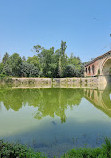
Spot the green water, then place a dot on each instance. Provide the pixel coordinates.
(54, 120)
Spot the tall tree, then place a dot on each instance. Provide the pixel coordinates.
(5, 58)
(62, 59)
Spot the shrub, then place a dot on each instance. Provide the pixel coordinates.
(8, 150)
(100, 152)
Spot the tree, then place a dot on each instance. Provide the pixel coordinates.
(78, 66)
(62, 59)
(29, 70)
(1, 67)
(46, 63)
(14, 62)
(45, 58)
(69, 71)
(38, 48)
(63, 48)
(23, 59)
(7, 70)
(5, 58)
(34, 60)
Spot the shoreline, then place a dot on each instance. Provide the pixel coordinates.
(99, 82)
(17, 150)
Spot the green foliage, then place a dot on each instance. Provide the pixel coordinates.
(29, 70)
(107, 147)
(5, 58)
(100, 152)
(62, 59)
(46, 57)
(15, 62)
(23, 59)
(77, 64)
(12, 65)
(2, 76)
(8, 150)
(7, 69)
(38, 48)
(34, 60)
(46, 63)
(1, 67)
(69, 71)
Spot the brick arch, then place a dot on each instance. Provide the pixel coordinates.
(93, 69)
(99, 64)
(104, 67)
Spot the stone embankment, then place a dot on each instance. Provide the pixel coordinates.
(99, 82)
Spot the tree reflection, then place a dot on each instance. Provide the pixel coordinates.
(50, 102)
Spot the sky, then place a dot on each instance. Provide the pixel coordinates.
(85, 25)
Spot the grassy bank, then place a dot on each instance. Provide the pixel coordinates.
(8, 150)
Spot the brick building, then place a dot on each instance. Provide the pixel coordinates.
(99, 66)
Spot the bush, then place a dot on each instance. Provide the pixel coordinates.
(8, 150)
(100, 152)
(2, 76)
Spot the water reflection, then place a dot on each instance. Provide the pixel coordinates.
(55, 120)
(100, 99)
(49, 102)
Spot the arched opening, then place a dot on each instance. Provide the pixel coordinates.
(107, 67)
(89, 69)
(86, 70)
(93, 69)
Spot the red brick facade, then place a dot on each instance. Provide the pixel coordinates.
(99, 66)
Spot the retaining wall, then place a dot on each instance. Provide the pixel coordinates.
(99, 82)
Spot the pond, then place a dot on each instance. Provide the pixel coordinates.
(55, 120)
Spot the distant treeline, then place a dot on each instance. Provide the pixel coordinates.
(46, 63)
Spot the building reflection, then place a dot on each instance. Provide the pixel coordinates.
(100, 99)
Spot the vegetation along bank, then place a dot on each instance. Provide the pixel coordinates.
(45, 63)
(8, 150)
